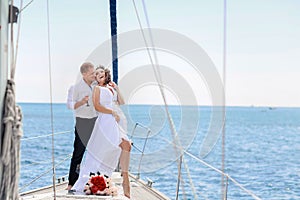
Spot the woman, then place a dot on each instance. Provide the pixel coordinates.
(125, 143)
(107, 141)
(117, 97)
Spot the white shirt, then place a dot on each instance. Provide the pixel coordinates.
(70, 102)
(80, 90)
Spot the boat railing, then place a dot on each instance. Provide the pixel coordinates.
(66, 157)
(228, 177)
(142, 151)
(42, 136)
(46, 172)
(60, 160)
(199, 160)
(144, 145)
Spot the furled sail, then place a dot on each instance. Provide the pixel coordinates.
(11, 126)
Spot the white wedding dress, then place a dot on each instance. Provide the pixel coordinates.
(123, 121)
(103, 151)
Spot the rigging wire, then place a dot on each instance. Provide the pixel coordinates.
(46, 162)
(21, 9)
(159, 81)
(224, 99)
(214, 168)
(172, 175)
(151, 40)
(155, 67)
(42, 174)
(51, 103)
(42, 136)
(224, 174)
(179, 178)
(205, 164)
(18, 35)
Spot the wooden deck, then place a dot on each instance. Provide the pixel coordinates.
(139, 191)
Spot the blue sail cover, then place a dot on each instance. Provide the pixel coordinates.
(114, 42)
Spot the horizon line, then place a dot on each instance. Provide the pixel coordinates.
(203, 105)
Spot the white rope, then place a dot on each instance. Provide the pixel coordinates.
(10, 152)
(159, 81)
(51, 104)
(224, 101)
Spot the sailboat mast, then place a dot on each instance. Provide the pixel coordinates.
(114, 42)
(3, 54)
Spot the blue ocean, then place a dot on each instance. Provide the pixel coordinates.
(262, 149)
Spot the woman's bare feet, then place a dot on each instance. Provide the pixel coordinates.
(126, 184)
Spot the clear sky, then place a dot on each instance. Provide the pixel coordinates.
(263, 46)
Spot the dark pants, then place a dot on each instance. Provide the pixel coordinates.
(83, 130)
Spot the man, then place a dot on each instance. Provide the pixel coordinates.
(85, 117)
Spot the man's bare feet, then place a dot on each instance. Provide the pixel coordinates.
(69, 187)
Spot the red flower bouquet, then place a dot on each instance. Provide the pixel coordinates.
(100, 185)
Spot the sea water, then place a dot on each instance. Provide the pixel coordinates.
(262, 149)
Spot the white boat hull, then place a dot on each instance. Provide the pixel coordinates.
(139, 191)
